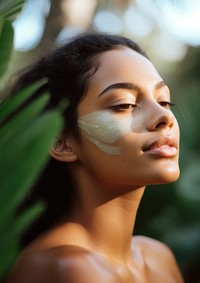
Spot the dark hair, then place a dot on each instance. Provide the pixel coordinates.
(68, 70)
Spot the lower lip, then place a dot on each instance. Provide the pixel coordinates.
(167, 151)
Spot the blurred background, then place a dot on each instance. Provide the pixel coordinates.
(169, 31)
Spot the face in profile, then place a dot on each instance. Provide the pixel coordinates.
(129, 135)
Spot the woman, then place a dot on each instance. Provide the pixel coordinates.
(120, 135)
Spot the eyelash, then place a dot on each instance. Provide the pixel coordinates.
(130, 107)
(166, 104)
(123, 107)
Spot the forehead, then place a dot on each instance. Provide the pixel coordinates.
(123, 65)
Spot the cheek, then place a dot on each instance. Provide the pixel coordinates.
(100, 125)
(103, 130)
(176, 130)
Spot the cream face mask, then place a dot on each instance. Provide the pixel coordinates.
(103, 129)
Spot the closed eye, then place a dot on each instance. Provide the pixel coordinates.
(123, 107)
(166, 104)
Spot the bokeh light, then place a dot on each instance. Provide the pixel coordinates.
(29, 25)
(107, 21)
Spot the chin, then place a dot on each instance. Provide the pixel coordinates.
(168, 171)
(170, 175)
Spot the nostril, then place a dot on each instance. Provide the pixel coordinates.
(159, 125)
(161, 121)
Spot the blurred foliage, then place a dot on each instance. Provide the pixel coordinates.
(9, 9)
(26, 134)
(6, 44)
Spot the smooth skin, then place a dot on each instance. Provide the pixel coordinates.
(95, 243)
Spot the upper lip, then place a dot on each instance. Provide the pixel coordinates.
(161, 141)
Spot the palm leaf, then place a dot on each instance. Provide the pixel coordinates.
(21, 119)
(26, 137)
(6, 46)
(15, 227)
(9, 256)
(11, 104)
(31, 147)
(9, 9)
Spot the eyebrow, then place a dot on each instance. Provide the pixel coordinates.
(130, 86)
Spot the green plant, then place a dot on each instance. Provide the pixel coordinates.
(9, 9)
(24, 144)
(25, 139)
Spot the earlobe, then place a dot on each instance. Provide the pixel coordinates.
(63, 151)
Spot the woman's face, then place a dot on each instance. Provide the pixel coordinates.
(129, 134)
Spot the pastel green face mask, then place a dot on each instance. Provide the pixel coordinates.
(103, 129)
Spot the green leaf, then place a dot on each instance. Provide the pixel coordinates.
(15, 226)
(21, 120)
(31, 150)
(6, 47)
(1, 24)
(10, 105)
(11, 8)
(9, 247)
(26, 136)
(8, 258)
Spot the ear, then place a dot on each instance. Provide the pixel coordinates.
(64, 150)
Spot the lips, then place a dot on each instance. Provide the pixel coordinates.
(163, 146)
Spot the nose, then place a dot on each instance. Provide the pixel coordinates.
(160, 119)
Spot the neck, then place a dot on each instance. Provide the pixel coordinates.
(109, 218)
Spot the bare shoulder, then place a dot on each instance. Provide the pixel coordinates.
(152, 246)
(158, 256)
(64, 264)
